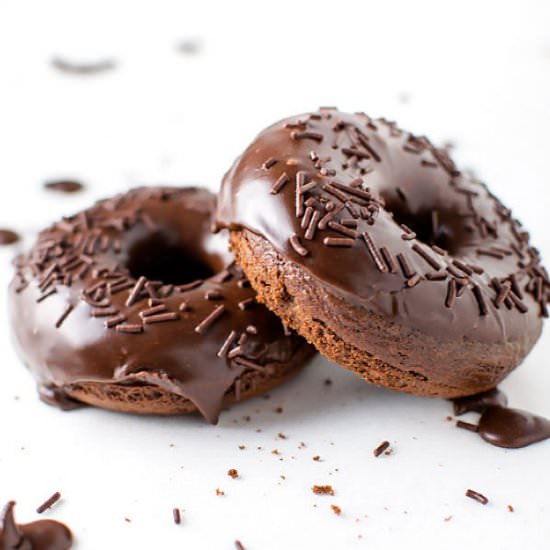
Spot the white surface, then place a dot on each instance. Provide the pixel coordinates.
(474, 72)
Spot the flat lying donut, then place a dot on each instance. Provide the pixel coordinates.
(133, 305)
(369, 242)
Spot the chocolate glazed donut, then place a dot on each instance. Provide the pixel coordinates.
(370, 243)
(134, 305)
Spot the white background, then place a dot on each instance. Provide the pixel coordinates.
(476, 73)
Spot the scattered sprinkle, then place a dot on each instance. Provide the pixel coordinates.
(381, 448)
(177, 515)
(47, 504)
(477, 496)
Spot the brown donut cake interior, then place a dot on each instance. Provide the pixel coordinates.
(371, 243)
(134, 305)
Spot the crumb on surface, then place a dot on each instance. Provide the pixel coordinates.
(317, 458)
(336, 509)
(233, 473)
(279, 410)
(510, 508)
(323, 490)
(219, 493)
(241, 447)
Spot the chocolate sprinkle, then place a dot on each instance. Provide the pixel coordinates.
(477, 496)
(269, 163)
(451, 293)
(297, 245)
(176, 514)
(47, 504)
(381, 448)
(480, 300)
(378, 261)
(64, 186)
(307, 135)
(161, 318)
(280, 183)
(467, 426)
(389, 259)
(205, 324)
(338, 241)
(433, 263)
(64, 316)
(129, 328)
(7, 236)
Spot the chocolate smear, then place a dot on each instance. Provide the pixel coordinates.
(38, 535)
(512, 428)
(479, 402)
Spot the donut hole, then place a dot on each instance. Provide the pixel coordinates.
(159, 258)
(441, 227)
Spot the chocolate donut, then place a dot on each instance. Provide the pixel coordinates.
(134, 305)
(369, 241)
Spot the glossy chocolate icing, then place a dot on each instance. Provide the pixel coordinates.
(80, 312)
(479, 402)
(39, 535)
(512, 428)
(500, 425)
(488, 284)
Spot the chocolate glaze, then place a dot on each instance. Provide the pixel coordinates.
(64, 186)
(81, 312)
(499, 425)
(40, 535)
(7, 236)
(512, 428)
(488, 286)
(53, 395)
(479, 402)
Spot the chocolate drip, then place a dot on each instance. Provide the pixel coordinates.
(479, 402)
(55, 396)
(512, 428)
(136, 291)
(499, 425)
(38, 535)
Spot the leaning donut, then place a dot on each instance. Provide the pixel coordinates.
(133, 305)
(369, 242)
